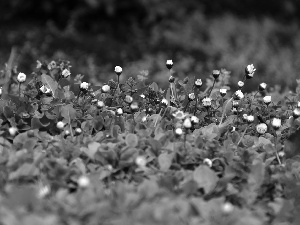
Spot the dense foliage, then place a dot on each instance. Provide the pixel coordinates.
(131, 153)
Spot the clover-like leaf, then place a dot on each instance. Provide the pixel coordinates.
(206, 178)
(165, 161)
(132, 140)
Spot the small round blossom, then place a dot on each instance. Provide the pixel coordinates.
(245, 117)
(216, 73)
(164, 101)
(281, 154)
(13, 131)
(128, 99)
(223, 92)
(83, 181)
(45, 89)
(142, 96)
(227, 207)
(100, 104)
(187, 123)
(207, 162)
(78, 131)
(250, 119)
(261, 128)
(119, 112)
(179, 115)
(105, 88)
(144, 119)
(84, 86)
(21, 77)
(178, 131)
(262, 86)
(241, 84)
(169, 64)
(171, 79)
(206, 102)
(276, 123)
(43, 191)
(118, 70)
(134, 107)
(194, 119)
(141, 161)
(235, 104)
(60, 125)
(67, 133)
(249, 71)
(191, 96)
(232, 129)
(296, 113)
(267, 99)
(66, 73)
(198, 83)
(238, 95)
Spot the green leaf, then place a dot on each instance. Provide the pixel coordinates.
(24, 171)
(46, 79)
(92, 149)
(131, 140)
(206, 178)
(165, 161)
(68, 112)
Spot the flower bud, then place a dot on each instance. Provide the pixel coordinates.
(105, 88)
(134, 107)
(83, 181)
(45, 89)
(142, 96)
(78, 131)
(169, 64)
(128, 99)
(261, 128)
(250, 119)
(66, 73)
(21, 77)
(119, 112)
(187, 123)
(223, 92)
(194, 119)
(67, 133)
(60, 125)
(296, 113)
(141, 161)
(245, 117)
(171, 79)
(12, 131)
(238, 95)
(216, 74)
(198, 83)
(262, 86)
(241, 84)
(249, 71)
(178, 131)
(191, 96)
(207, 162)
(276, 123)
(100, 104)
(206, 102)
(118, 70)
(164, 101)
(235, 104)
(267, 99)
(227, 207)
(144, 119)
(84, 86)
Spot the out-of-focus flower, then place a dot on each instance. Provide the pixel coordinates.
(208, 162)
(179, 115)
(194, 119)
(60, 125)
(296, 113)
(83, 181)
(178, 131)
(12, 131)
(187, 123)
(141, 161)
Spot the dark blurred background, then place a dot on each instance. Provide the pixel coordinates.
(96, 35)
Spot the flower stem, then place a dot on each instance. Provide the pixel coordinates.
(242, 135)
(19, 90)
(276, 152)
(223, 114)
(118, 82)
(195, 109)
(157, 117)
(185, 108)
(212, 88)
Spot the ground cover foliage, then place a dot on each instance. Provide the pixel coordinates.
(131, 153)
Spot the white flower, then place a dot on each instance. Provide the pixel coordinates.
(60, 125)
(100, 104)
(12, 131)
(262, 86)
(45, 89)
(187, 123)
(198, 83)
(250, 118)
(240, 84)
(38, 64)
(276, 123)
(142, 96)
(296, 113)
(206, 102)
(21, 77)
(105, 88)
(227, 207)
(179, 115)
(235, 104)
(169, 64)
(144, 119)
(232, 129)
(238, 95)
(194, 119)
(216, 73)
(178, 131)
(78, 131)
(43, 191)
(119, 111)
(164, 101)
(245, 117)
(65, 73)
(83, 181)
(207, 162)
(118, 70)
(249, 70)
(134, 106)
(267, 99)
(67, 132)
(261, 128)
(128, 99)
(223, 92)
(141, 161)
(281, 154)
(191, 96)
(84, 85)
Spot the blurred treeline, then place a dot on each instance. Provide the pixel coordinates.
(96, 35)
